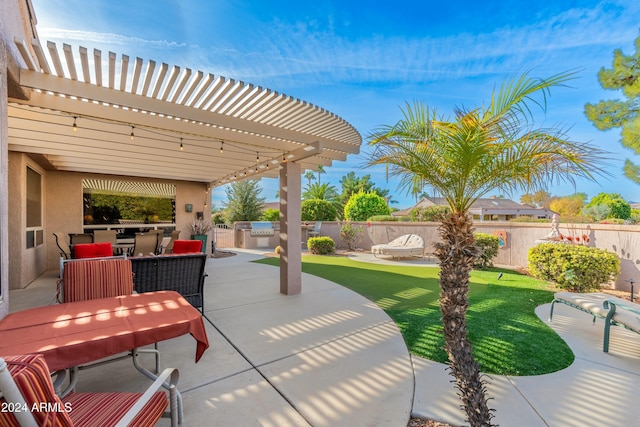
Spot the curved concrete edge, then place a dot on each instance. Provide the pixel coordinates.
(333, 355)
(597, 389)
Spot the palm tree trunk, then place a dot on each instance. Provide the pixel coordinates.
(457, 254)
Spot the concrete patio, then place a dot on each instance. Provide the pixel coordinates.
(329, 357)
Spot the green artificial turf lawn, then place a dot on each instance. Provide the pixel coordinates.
(507, 336)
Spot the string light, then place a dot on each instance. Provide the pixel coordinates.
(284, 159)
(75, 126)
(181, 146)
(221, 147)
(257, 157)
(132, 135)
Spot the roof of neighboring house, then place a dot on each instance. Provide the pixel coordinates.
(486, 206)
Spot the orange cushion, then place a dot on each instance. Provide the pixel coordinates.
(93, 279)
(31, 374)
(92, 250)
(187, 246)
(106, 409)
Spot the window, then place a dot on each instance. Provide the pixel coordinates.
(35, 232)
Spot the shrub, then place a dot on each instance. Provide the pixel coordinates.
(490, 245)
(278, 249)
(270, 214)
(318, 210)
(322, 245)
(573, 267)
(430, 214)
(618, 206)
(363, 205)
(382, 218)
(351, 235)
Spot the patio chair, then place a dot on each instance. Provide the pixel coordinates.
(315, 231)
(144, 244)
(159, 236)
(91, 250)
(63, 247)
(75, 238)
(25, 382)
(184, 273)
(105, 236)
(174, 236)
(86, 279)
(187, 246)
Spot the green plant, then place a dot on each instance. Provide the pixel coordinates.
(322, 245)
(489, 244)
(243, 201)
(365, 205)
(270, 214)
(318, 210)
(383, 218)
(618, 206)
(351, 235)
(573, 267)
(432, 213)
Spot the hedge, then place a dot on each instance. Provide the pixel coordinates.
(490, 245)
(573, 267)
(322, 245)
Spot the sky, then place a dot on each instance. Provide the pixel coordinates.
(364, 60)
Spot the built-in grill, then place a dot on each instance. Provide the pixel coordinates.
(262, 229)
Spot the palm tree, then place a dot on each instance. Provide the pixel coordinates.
(320, 171)
(484, 149)
(309, 175)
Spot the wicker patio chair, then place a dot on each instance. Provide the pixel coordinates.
(182, 273)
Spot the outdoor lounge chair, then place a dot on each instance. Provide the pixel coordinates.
(25, 382)
(409, 245)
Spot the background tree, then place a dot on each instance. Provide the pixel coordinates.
(270, 214)
(326, 192)
(362, 206)
(624, 75)
(568, 206)
(309, 175)
(618, 206)
(538, 199)
(493, 147)
(318, 210)
(243, 201)
(351, 184)
(320, 171)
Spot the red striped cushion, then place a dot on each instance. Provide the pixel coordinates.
(92, 279)
(31, 374)
(92, 250)
(106, 409)
(187, 246)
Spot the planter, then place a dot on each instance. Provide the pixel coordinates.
(203, 239)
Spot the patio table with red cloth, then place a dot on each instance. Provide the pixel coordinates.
(75, 333)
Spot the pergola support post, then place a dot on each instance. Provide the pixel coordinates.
(290, 229)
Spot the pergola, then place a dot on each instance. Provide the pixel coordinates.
(101, 113)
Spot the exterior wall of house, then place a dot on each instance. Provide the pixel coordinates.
(17, 21)
(63, 212)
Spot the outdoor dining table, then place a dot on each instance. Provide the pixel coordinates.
(75, 333)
